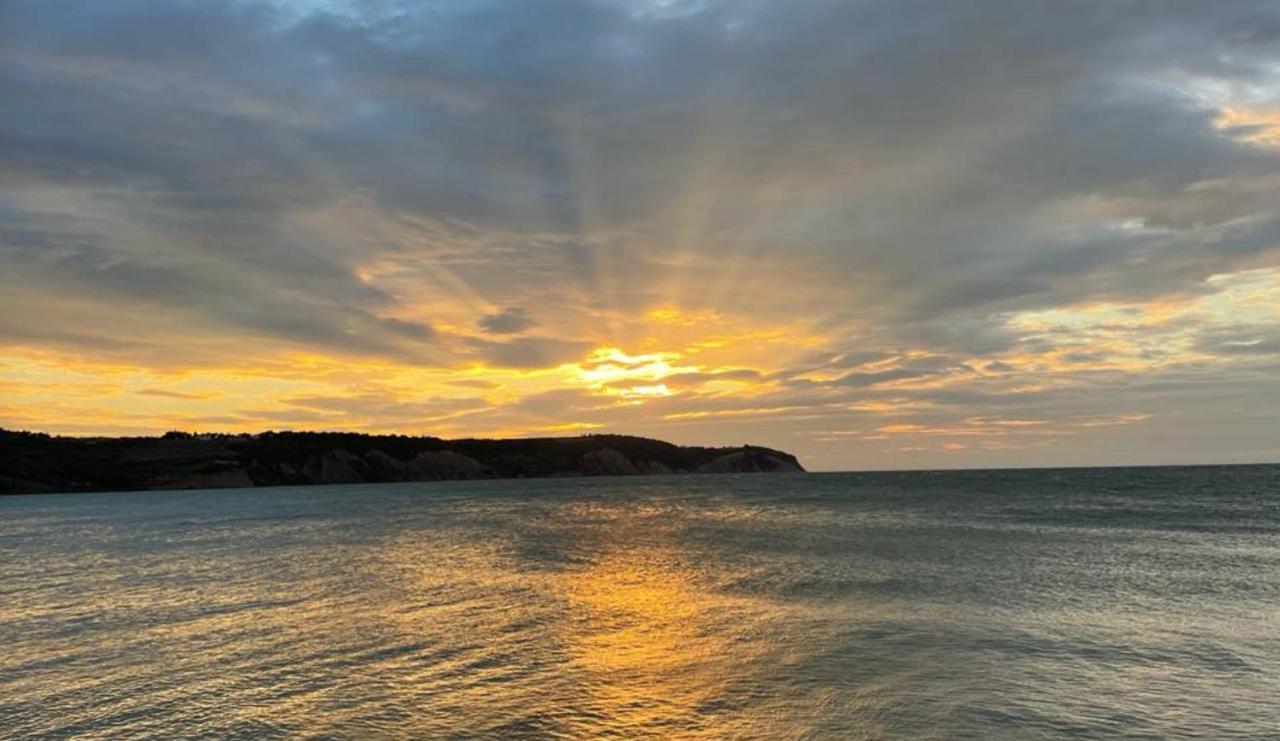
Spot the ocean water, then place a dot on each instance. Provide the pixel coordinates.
(1121, 603)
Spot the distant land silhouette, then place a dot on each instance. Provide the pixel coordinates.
(32, 462)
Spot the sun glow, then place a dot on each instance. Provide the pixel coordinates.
(609, 370)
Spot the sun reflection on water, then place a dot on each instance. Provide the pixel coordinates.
(641, 629)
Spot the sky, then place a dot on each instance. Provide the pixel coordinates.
(893, 234)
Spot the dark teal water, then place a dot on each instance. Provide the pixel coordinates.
(1121, 603)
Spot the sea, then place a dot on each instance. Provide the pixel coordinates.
(1136, 603)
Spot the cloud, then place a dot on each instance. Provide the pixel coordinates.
(511, 320)
(696, 379)
(170, 394)
(531, 352)
(1241, 340)
(372, 407)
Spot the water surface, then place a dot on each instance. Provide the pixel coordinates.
(1113, 603)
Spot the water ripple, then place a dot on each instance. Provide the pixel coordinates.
(971, 605)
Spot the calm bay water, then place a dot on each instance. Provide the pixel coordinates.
(1137, 603)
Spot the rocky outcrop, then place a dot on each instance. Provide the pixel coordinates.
(234, 478)
(609, 462)
(343, 467)
(386, 468)
(336, 467)
(446, 465)
(752, 460)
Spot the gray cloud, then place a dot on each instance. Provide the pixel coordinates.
(531, 352)
(511, 320)
(1241, 340)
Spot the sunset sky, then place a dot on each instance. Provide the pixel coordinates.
(874, 234)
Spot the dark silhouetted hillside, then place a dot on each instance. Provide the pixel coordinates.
(35, 462)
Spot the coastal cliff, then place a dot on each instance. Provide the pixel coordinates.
(34, 462)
